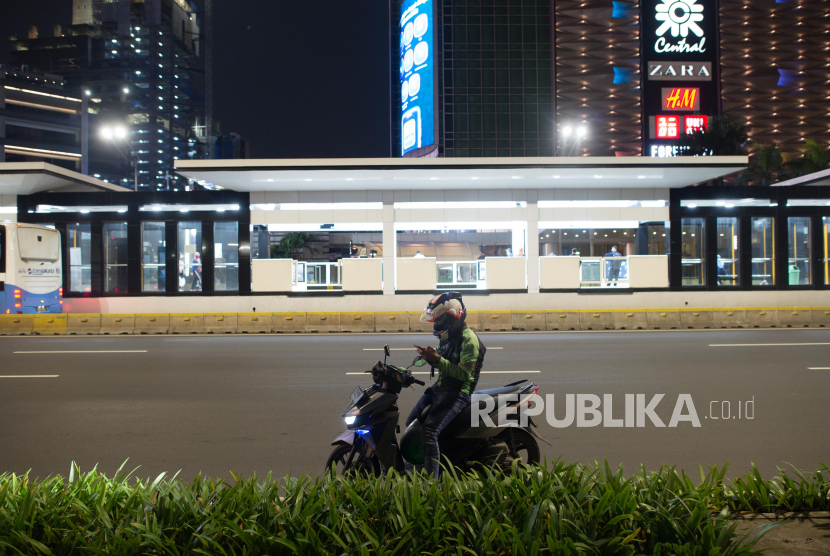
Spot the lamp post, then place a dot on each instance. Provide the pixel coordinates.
(567, 131)
(120, 132)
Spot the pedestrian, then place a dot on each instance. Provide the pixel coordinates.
(574, 252)
(418, 255)
(614, 266)
(196, 272)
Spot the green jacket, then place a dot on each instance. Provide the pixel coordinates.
(461, 362)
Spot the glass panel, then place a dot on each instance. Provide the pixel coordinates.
(115, 257)
(226, 253)
(692, 255)
(798, 250)
(589, 271)
(152, 257)
(260, 242)
(79, 238)
(825, 222)
(763, 251)
(190, 256)
(728, 249)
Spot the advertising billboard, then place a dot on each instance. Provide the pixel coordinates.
(680, 61)
(417, 58)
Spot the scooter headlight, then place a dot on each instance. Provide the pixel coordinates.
(350, 419)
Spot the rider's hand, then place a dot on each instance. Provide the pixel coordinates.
(429, 354)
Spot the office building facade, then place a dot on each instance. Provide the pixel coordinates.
(133, 62)
(592, 77)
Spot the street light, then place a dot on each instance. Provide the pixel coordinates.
(120, 132)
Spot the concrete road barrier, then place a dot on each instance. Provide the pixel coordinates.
(562, 320)
(81, 324)
(295, 323)
(357, 322)
(820, 316)
(795, 317)
(395, 321)
(152, 324)
(253, 323)
(529, 320)
(730, 318)
(596, 320)
(472, 321)
(117, 324)
(221, 323)
(49, 325)
(415, 324)
(323, 322)
(663, 319)
(629, 319)
(16, 325)
(495, 321)
(697, 318)
(187, 323)
(762, 317)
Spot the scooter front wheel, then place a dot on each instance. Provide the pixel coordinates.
(361, 465)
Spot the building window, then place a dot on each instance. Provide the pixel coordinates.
(728, 249)
(190, 256)
(763, 251)
(226, 248)
(79, 237)
(825, 221)
(798, 250)
(115, 257)
(152, 257)
(693, 256)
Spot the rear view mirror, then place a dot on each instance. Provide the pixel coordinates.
(386, 350)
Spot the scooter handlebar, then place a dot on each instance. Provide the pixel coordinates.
(419, 382)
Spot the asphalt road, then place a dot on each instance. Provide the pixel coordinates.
(274, 403)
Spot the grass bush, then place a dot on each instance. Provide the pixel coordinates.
(559, 509)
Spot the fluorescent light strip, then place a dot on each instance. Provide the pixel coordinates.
(185, 208)
(317, 206)
(50, 209)
(603, 204)
(585, 224)
(472, 225)
(462, 205)
(41, 106)
(726, 203)
(10, 88)
(27, 150)
(808, 202)
(339, 227)
(8, 210)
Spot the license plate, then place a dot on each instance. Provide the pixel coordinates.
(42, 309)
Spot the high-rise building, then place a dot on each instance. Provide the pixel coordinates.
(133, 60)
(601, 78)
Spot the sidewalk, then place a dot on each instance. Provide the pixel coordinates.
(804, 536)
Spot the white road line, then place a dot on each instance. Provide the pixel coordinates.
(408, 349)
(764, 345)
(29, 376)
(93, 351)
(482, 372)
(818, 368)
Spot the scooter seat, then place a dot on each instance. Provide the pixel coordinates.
(515, 389)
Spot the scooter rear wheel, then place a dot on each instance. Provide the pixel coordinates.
(523, 445)
(360, 465)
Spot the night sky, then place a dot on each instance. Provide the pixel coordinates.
(298, 79)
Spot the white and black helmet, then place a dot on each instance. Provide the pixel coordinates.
(447, 314)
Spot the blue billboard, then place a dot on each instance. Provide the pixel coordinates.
(417, 75)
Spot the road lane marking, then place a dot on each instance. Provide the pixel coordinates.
(91, 351)
(818, 368)
(407, 349)
(29, 376)
(764, 345)
(482, 372)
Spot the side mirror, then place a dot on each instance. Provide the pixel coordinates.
(386, 350)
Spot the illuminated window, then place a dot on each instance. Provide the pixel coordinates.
(153, 243)
(728, 252)
(799, 271)
(115, 257)
(762, 237)
(79, 238)
(190, 256)
(692, 249)
(226, 253)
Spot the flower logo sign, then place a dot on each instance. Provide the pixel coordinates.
(679, 17)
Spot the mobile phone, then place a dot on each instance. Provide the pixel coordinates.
(419, 347)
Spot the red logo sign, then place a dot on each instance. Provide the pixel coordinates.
(695, 123)
(681, 98)
(668, 127)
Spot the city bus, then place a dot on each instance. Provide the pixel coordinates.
(30, 269)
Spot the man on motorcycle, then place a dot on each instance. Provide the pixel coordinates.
(459, 359)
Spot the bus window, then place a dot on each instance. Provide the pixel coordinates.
(37, 244)
(2, 250)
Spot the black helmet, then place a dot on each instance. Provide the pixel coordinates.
(447, 314)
